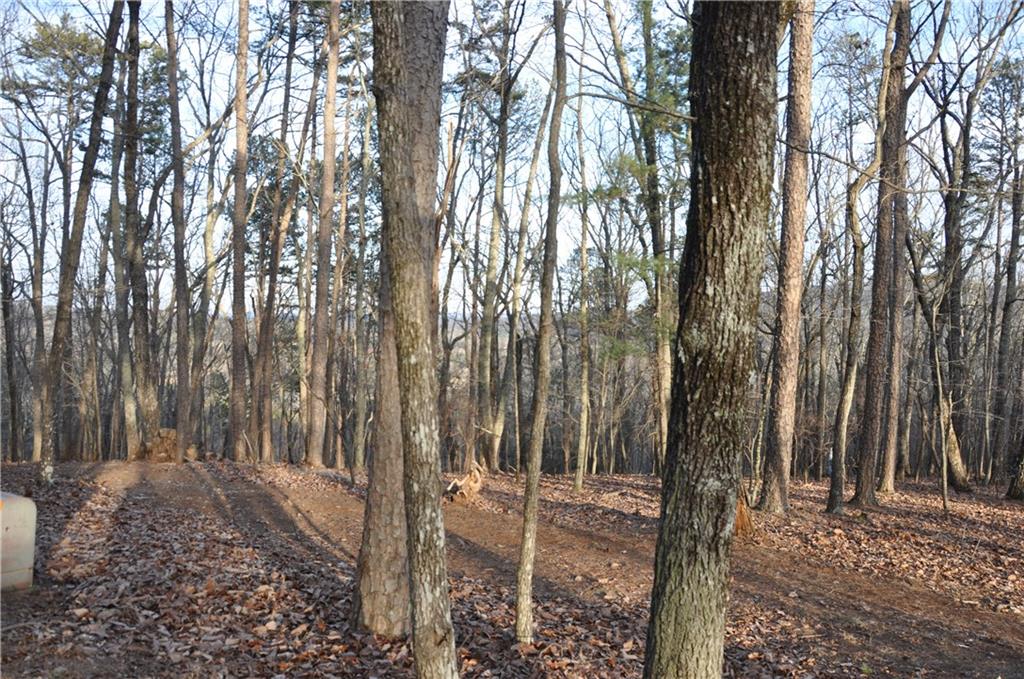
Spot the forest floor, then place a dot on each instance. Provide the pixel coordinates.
(204, 570)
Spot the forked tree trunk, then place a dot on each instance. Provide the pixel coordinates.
(73, 252)
(408, 57)
(837, 482)
(879, 356)
(732, 99)
(542, 378)
(322, 327)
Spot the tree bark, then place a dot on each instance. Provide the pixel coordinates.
(408, 57)
(583, 440)
(1004, 399)
(135, 236)
(878, 357)
(732, 99)
(382, 577)
(782, 411)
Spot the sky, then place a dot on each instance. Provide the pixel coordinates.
(604, 123)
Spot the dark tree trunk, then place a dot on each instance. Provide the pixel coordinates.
(135, 236)
(732, 98)
(262, 417)
(878, 348)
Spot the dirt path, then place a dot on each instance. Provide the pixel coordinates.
(846, 619)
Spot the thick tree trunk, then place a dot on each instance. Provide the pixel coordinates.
(73, 252)
(542, 377)
(732, 98)
(408, 57)
(322, 327)
(238, 449)
(782, 411)
(382, 578)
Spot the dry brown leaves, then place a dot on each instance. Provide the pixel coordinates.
(134, 583)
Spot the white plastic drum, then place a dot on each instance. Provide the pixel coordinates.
(18, 543)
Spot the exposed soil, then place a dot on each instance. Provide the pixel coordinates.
(229, 570)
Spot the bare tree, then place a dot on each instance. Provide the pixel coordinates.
(239, 449)
(542, 377)
(322, 327)
(73, 250)
(878, 357)
(181, 297)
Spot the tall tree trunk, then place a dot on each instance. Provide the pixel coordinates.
(6, 302)
(144, 372)
(333, 419)
(542, 376)
(732, 99)
(513, 369)
(583, 440)
(485, 407)
(322, 327)
(878, 357)
(362, 339)
(280, 216)
(837, 483)
(645, 148)
(238, 449)
(782, 411)
(73, 252)
(181, 297)
(1004, 399)
(897, 290)
(408, 57)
